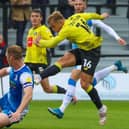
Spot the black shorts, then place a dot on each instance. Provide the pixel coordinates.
(37, 68)
(87, 59)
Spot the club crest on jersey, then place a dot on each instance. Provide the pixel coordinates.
(12, 84)
(35, 33)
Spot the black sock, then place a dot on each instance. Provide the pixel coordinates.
(61, 90)
(95, 98)
(52, 70)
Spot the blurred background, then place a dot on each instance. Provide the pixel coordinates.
(111, 50)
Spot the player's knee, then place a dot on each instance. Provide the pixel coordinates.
(47, 89)
(3, 120)
(84, 84)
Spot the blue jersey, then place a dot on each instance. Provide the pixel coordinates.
(19, 79)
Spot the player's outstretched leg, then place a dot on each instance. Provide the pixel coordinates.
(120, 66)
(117, 66)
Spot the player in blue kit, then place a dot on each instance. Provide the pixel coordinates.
(14, 104)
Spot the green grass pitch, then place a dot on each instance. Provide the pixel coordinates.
(83, 115)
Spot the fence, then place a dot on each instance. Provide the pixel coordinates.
(5, 8)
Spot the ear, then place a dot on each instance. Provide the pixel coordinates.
(11, 57)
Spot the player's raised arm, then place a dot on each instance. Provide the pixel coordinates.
(88, 16)
(121, 41)
(48, 43)
(109, 30)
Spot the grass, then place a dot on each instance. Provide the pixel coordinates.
(83, 115)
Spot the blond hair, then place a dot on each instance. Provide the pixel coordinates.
(55, 16)
(15, 51)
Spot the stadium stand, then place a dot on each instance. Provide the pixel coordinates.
(110, 47)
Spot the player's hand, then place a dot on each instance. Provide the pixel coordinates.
(121, 41)
(15, 117)
(105, 15)
(36, 40)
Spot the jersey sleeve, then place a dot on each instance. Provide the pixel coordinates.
(88, 16)
(26, 79)
(109, 30)
(55, 40)
(89, 22)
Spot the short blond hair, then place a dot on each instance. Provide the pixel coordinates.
(55, 16)
(15, 51)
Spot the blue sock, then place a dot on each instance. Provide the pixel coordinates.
(72, 82)
(94, 82)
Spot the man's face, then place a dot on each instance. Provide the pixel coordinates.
(56, 26)
(79, 6)
(35, 19)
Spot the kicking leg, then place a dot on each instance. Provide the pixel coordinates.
(52, 89)
(98, 76)
(65, 61)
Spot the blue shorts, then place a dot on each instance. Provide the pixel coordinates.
(6, 109)
(5, 106)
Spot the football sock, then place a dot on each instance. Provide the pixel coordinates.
(61, 90)
(69, 94)
(58, 89)
(92, 92)
(52, 70)
(94, 82)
